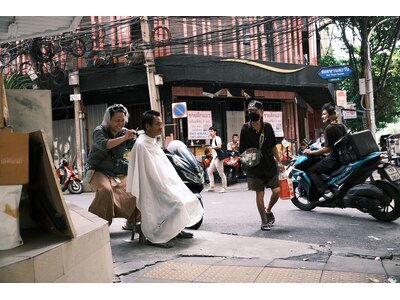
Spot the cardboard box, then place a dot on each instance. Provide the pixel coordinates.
(14, 154)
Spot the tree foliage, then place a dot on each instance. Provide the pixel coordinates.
(382, 34)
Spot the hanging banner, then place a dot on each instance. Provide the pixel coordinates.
(198, 123)
(275, 119)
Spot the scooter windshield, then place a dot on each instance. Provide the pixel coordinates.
(179, 148)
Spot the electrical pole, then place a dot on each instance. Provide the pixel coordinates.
(150, 65)
(154, 94)
(73, 79)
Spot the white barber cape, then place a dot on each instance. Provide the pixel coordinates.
(166, 204)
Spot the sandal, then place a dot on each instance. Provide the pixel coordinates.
(270, 218)
(265, 227)
(169, 244)
(184, 235)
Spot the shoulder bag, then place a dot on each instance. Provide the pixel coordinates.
(221, 153)
(252, 156)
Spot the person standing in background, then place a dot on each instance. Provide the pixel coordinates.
(216, 143)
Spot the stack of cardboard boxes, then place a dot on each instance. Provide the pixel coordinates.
(48, 247)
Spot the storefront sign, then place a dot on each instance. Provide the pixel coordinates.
(198, 123)
(275, 119)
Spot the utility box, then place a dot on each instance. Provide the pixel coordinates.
(14, 158)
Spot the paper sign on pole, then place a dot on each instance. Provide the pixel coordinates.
(341, 98)
(351, 113)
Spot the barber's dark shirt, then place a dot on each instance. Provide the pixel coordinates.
(101, 158)
(249, 138)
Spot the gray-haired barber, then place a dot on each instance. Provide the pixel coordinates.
(111, 140)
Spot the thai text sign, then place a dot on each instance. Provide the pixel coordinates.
(335, 72)
(275, 119)
(198, 123)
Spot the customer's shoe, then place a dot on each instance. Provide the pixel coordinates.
(327, 196)
(222, 190)
(184, 235)
(128, 225)
(270, 217)
(265, 227)
(210, 189)
(169, 244)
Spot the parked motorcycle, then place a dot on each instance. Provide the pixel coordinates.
(232, 168)
(353, 184)
(68, 178)
(188, 169)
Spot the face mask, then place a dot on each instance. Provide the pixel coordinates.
(254, 117)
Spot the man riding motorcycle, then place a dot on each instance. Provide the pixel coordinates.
(333, 132)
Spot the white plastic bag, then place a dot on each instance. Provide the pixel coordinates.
(10, 196)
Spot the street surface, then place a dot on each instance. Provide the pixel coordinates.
(235, 213)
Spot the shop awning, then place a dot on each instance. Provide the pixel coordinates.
(196, 70)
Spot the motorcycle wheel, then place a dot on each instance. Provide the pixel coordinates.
(75, 187)
(300, 199)
(230, 176)
(391, 211)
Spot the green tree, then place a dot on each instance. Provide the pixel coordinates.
(382, 34)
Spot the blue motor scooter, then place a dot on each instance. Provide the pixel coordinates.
(363, 181)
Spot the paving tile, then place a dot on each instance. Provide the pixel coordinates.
(176, 271)
(202, 260)
(392, 267)
(283, 275)
(230, 274)
(351, 277)
(294, 264)
(354, 264)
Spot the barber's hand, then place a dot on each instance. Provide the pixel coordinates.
(281, 167)
(130, 134)
(307, 152)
